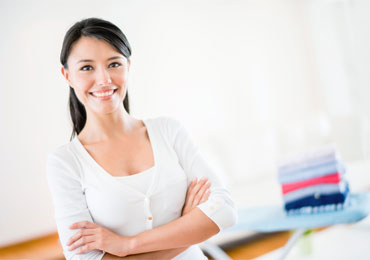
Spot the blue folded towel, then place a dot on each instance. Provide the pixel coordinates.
(316, 202)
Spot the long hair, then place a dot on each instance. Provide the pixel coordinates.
(102, 30)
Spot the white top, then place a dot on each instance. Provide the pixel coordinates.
(82, 190)
(140, 181)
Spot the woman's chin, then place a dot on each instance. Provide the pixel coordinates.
(106, 110)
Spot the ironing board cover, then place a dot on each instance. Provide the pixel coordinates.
(274, 218)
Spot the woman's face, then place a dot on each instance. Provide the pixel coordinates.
(98, 73)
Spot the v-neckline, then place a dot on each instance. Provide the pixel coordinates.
(105, 173)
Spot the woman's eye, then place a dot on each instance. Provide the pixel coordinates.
(114, 65)
(87, 67)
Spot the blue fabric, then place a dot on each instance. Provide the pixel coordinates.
(274, 218)
(312, 172)
(315, 190)
(312, 201)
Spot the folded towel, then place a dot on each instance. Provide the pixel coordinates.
(327, 179)
(309, 163)
(324, 153)
(313, 172)
(316, 191)
(317, 201)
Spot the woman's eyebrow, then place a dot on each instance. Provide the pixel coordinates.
(111, 58)
(115, 57)
(84, 61)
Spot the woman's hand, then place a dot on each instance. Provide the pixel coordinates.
(92, 236)
(198, 192)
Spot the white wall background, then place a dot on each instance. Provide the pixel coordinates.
(253, 81)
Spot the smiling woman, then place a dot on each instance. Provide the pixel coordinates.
(96, 52)
(123, 187)
(102, 78)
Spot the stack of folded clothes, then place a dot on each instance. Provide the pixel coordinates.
(313, 182)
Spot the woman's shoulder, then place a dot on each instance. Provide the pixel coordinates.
(169, 127)
(62, 166)
(63, 154)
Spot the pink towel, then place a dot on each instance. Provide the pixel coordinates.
(332, 178)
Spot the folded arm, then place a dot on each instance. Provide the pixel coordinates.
(187, 230)
(167, 241)
(92, 236)
(163, 254)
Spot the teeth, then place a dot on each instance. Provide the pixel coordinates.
(108, 93)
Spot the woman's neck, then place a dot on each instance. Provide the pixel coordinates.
(106, 127)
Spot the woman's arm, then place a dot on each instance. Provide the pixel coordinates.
(68, 199)
(220, 207)
(198, 192)
(187, 230)
(163, 255)
(93, 236)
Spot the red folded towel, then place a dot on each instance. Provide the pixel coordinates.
(329, 179)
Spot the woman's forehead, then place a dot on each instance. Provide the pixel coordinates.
(92, 49)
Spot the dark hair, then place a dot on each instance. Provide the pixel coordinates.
(102, 30)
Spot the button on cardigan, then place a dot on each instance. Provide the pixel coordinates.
(83, 191)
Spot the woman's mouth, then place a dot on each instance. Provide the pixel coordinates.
(103, 95)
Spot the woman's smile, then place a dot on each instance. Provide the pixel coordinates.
(103, 95)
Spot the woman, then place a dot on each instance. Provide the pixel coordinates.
(123, 187)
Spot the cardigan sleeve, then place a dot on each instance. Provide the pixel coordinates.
(219, 207)
(69, 201)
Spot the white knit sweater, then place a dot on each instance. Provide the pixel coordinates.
(82, 190)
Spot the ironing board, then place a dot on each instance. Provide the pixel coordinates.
(274, 218)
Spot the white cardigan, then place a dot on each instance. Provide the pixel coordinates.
(82, 190)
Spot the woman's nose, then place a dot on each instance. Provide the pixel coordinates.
(103, 77)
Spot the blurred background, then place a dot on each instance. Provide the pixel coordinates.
(253, 81)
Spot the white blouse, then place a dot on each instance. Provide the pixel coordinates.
(82, 190)
(139, 181)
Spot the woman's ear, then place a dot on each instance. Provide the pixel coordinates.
(65, 74)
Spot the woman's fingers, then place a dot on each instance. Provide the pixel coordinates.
(82, 224)
(191, 186)
(198, 197)
(93, 236)
(206, 196)
(87, 247)
(196, 191)
(82, 241)
(192, 190)
(79, 234)
(198, 186)
(196, 194)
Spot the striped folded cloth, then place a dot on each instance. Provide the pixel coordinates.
(313, 182)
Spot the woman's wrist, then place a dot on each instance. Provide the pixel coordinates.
(132, 245)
